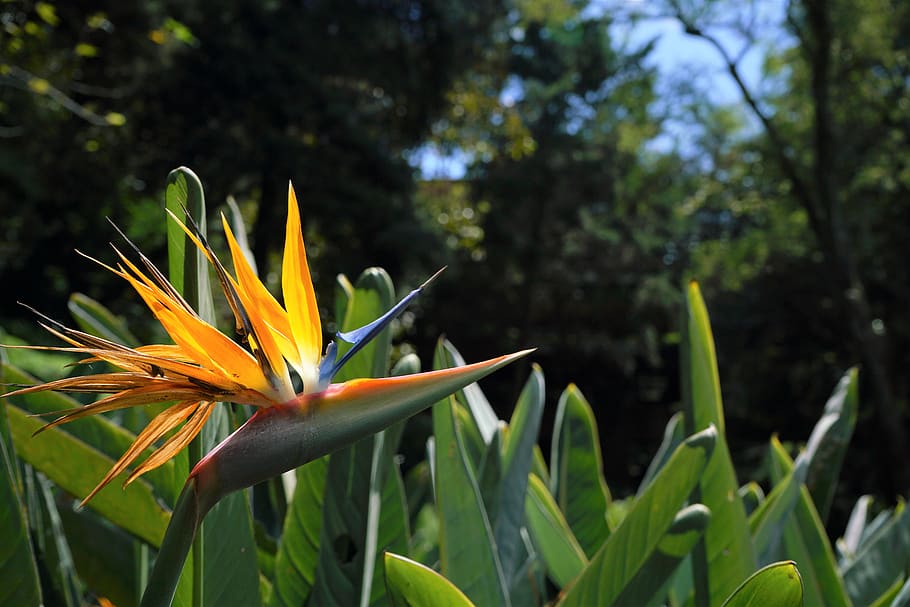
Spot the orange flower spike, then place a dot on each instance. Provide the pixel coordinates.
(299, 297)
(204, 366)
(271, 320)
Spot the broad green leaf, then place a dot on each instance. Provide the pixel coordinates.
(901, 598)
(828, 442)
(476, 442)
(529, 584)
(363, 505)
(674, 434)
(629, 548)
(364, 513)
(724, 558)
(95, 431)
(849, 545)
(551, 534)
(298, 548)
(576, 471)
(133, 508)
(467, 552)
(188, 268)
(892, 597)
(806, 542)
(39, 363)
(230, 564)
(769, 519)
(881, 560)
(539, 466)
(472, 395)
(752, 496)
(411, 584)
(52, 547)
(92, 317)
(649, 586)
(474, 445)
(111, 572)
(777, 584)
(424, 546)
(19, 583)
(516, 464)
(490, 479)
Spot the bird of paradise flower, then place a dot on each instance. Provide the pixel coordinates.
(204, 366)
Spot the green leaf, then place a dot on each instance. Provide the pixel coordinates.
(576, 477)
(892, 597)
(490, 469)
(516, 464)
(467, 551)
(629, 548)
(674, 435)
(752, 496)
(472, 396)
(133, 508)
(476, 442)
(424, 546)
(778, 584)
(111, 572)
(411, 584)
(188, 268)
(95, 432)
(806, 542)
(849, 545)
(551, 534)
(92, 317)
(651, 584)
(882, 559)
(828, 442)
(47, 531)
(769, 519)
(298, 548)
(901, 598)
(230, 563)
(19, 584)
(363, 512)
(724, 558)
(40, 363)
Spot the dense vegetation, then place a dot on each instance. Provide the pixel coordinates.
(572, 230)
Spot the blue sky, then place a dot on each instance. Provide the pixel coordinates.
(675, 55)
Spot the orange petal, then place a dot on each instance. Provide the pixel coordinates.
(128, 398)
(164, 422)
(175, 443)
(299, 297)
(270, 314)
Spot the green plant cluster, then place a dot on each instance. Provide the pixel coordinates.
(482, 520)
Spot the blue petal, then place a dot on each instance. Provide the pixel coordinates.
(362, 336)
(327, 366)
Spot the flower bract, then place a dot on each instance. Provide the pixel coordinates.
(203, 366)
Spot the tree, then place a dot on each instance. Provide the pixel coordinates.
(249, 95)
(830, 126)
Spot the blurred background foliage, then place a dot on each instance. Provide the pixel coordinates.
(576, 187)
